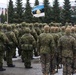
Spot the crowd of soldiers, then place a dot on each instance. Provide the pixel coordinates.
(55, 44)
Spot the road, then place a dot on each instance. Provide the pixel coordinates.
(20, 69)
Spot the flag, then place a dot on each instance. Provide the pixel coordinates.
(38, 11)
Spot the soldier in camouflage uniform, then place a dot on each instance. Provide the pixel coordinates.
(56, 61)
(67, 50)
(46, 50)
(10, 47)
(74, 35)
(36, 27)
(16, 34)
(27, 45)
(63, 30)
(20, 33)
(3, 40)
(34, 34)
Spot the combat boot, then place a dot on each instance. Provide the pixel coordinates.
(2, 69)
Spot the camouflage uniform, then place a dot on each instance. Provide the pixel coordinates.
(19, 36)
(56, 36)
(3, 40)
(46, 50)
(10, 47)
(27, 45)
(67, 49)
(63, 30)
(16, 34)
(74, 35)
(34, 34)
(21, 32)
(36, 27)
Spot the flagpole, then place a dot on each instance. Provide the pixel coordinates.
(7, 11)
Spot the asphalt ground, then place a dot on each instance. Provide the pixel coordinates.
(19, 68)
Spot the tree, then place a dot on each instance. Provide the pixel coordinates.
(56, 11)
(18, 12)
(36, 2)
(10, 12)
(67, 11)
(47, 10)
(2, 17)
(27, 14)
(5, 16)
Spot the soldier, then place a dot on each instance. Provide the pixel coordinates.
(34, 34)
(20, 29)
(3, 40)
(10, 48)
(63, 30)
(36, 27)
(74, 35)
(56, 36)
(46, 50)
(16, 34)
(67, 50)
(27, 45)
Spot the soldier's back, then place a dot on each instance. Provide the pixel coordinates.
(67, 43)
(46, 42)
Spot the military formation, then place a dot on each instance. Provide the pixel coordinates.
(54, 43)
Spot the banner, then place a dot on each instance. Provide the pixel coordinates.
(38, 11)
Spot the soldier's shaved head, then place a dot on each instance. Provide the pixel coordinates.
(46, 28)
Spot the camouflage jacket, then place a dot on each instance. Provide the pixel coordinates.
(67, 46)
(45, 43)
(27, 42)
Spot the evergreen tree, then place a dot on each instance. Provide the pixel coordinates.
(18, 12)
(56, 11)
(2, 17)
(67, 11)
(36, 2)
(6, 15)
(27, 14)
(47, 10)
(10, 12)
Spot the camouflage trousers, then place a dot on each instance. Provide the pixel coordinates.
(67, 66)
(74, 63)
(1, 57)
(45, 63)
(9, 55)
(27, 58)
